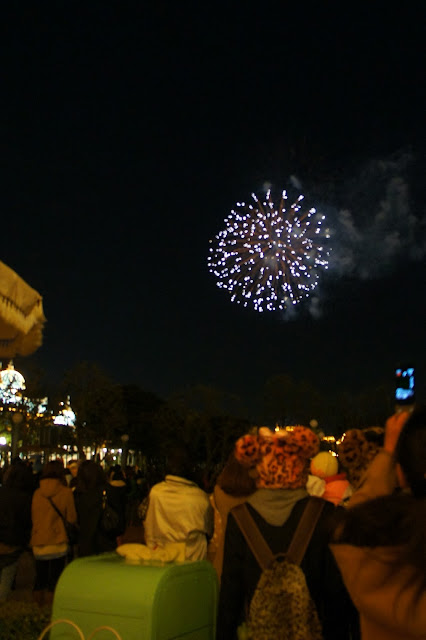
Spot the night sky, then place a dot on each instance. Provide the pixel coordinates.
(130, 130)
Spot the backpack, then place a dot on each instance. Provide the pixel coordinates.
(282, 607)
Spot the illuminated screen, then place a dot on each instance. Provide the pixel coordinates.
(404, 384)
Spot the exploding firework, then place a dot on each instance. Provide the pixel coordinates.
(268, 256)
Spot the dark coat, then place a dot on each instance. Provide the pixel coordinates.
(92, 540)
(15, 517)
(117, 492)
(241, 573)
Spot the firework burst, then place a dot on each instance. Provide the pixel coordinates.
(269, 257)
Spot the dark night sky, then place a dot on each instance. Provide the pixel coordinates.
(129, 131)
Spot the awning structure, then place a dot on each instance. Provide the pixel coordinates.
(21, 315)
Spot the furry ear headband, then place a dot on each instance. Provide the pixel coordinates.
(281, 457)
(357, 449)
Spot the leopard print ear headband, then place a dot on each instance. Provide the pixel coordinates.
(280, 458)
(298, 440)
(247, 450)
(357, 449)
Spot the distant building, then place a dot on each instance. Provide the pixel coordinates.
(13, 402)
(66, 416)
(12, 383)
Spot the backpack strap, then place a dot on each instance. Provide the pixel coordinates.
(254, 538)
(303, 534)
(299, 543)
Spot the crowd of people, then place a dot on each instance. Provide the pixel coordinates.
(364, 561)
(39, 510)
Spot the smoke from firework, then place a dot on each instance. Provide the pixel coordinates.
(378, 228)
(367, 238)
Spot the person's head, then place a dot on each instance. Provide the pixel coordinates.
(410, 452)
(73, 467)
(281, 458)
(178, 462)
(19, 476)
(54, 469)
(129, 472)
(90, 475)
(116, 473)
(236, 479)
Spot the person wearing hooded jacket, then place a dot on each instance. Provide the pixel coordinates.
(49, 540)
(282, 463)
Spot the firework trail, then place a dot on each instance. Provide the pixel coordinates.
(269, 257)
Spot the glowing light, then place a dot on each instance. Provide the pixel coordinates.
(269, 257)
(66, 415)
(12, 383)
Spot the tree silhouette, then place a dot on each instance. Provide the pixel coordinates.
(97, 403)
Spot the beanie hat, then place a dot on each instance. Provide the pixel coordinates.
(281, 458)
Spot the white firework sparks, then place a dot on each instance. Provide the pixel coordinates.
(267, 256)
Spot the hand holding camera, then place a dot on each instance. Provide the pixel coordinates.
(394, 426)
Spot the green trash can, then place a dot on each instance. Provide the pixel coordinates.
(144, 601)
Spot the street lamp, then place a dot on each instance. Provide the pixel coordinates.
(17, 419)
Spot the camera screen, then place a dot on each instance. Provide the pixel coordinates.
(404, 384)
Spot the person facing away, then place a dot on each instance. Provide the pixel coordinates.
(178, 510)
(15, 521)
(281, 461)
(233, 485)
(88, 495)
(49, 539)
(380, 544)
(119, 490)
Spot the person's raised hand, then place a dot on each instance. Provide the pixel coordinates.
(394, 426)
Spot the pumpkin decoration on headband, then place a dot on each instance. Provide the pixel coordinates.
(281, 458)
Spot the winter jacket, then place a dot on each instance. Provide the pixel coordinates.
(92, 540)
(277, 513)
(179, 511)
(48, 528)
(117, 492)
(391, 601)
(15, 524)
(390, 597)
(15, 517)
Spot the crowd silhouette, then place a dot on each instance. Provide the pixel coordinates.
(364, 564)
